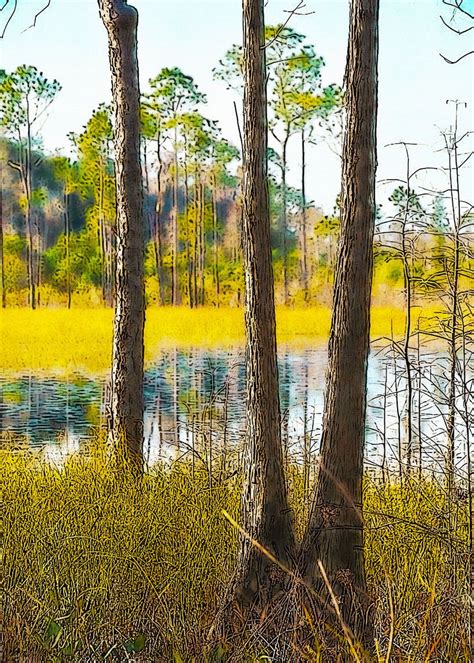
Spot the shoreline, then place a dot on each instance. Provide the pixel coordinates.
(79, 340)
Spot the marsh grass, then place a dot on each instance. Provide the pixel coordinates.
(80, 339)
(98, 566)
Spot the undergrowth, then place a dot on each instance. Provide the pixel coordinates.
(100, 566)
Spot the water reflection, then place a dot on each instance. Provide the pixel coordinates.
(194, 403)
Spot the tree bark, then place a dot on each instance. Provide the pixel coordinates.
(284, 219)
(126, 416)
(175, 277)
(454, 304)
(2, 261)
(265, 516)
(304, 230)
(29, 224)
(216, 239)
(335, 530)
(67, 235)
(157, 223)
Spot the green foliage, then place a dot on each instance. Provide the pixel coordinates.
(77, 196)
(84, 262)
(25, 95)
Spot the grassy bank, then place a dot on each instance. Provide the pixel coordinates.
(80, 339)
(97, 567)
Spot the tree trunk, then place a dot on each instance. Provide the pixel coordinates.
(216, 239)
(455, 196)
(2, 261)
(175, 277)
(126, 417)
(202, 253)
(335, 530)
(196, 240)
(67, 234)
(157, 224)
(407, 287)
(284, 218)
(304, 230)
(29, 224)
(189, 264)
(265, 517)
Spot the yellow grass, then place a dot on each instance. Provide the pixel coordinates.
(80, 339)
(93, 561)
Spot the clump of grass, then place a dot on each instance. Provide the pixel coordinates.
(416, 550)
(80, 339)
(99, 565)
(96, 561)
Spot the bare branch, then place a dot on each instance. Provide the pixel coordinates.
(457, 4)
(450, 27)
(33, 25)
(292, 12)
(15, 4)
(238, 127)
(458, 60)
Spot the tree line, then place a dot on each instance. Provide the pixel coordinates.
(57, 209)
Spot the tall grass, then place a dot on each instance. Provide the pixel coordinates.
(80, 339)
(99, 566)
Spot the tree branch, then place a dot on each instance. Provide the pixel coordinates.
(15, 4)
(292, 12)
(457, 4)
(458, 60)
(450, 27)
(33, 25)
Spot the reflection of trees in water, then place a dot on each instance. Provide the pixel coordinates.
(195, 405)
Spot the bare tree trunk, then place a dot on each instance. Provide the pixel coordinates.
(304, 230)
(175, 277)
(216, 240)
(2, 261)
(265, 517)
(29, 224)
(202, 235)
(67, 233)
(157, 223)
(335, 530)
(189, 264)
(455, 199)
(126, 420)
(284, 217)
(407, 286)
(195, 240)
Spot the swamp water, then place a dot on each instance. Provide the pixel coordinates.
(195, 404)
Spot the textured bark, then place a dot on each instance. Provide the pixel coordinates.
(335, 531)
(126, 415)
(2, 262)
(265, 513)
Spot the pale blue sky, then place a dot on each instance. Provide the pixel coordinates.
(69, 44)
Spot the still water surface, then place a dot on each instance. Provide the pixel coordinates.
(195, 403)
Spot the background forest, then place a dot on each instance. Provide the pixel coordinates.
(57, 244)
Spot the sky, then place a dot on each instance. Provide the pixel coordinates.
(69, 44)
